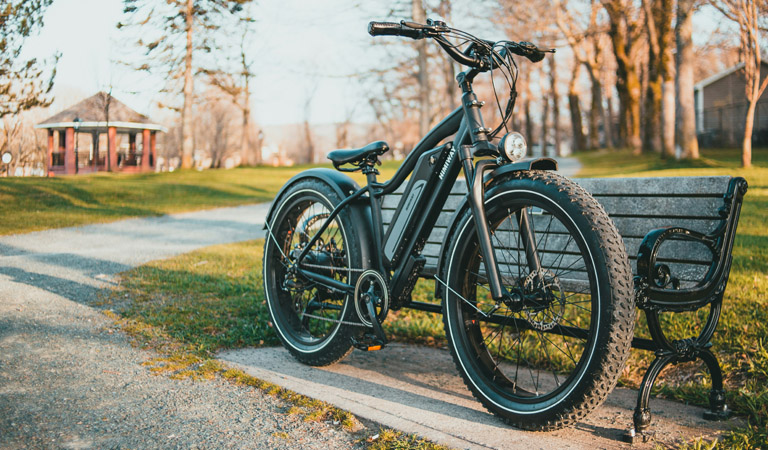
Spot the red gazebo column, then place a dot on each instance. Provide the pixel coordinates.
(50, 149)
(112, 148)
(153, 148)
(70, 162)
(145, 150)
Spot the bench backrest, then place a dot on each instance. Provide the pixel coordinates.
(636, 205)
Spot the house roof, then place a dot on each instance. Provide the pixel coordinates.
(720, 75)
(91, 113)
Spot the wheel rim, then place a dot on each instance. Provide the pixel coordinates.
(306, 315)
(513, 356)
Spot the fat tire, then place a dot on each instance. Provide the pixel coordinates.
(339, 344)
(612, 340)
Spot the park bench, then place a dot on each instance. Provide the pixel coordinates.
(678, 233)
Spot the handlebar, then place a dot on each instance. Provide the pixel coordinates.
(435, 30)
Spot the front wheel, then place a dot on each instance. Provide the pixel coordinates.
(548, 360)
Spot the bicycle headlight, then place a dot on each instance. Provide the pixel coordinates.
(513, 146)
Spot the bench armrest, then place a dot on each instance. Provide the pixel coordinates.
(654, 279)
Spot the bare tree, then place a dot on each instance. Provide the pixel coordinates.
(24, 84)
(555, 98)
(419, 15)
(545, 98)
(574, 106)
(18, 136)
(750, 15)
(686, 112)
(236, 83)
(658, 24)
(308, 142)
(169, 24)
(624, 31)
(585, 42)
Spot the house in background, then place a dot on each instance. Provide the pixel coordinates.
(89, 137)
(721, 109)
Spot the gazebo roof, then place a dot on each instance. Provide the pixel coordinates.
(92, 115)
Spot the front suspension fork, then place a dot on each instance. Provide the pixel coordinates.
(476, 193)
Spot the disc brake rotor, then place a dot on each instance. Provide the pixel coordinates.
(550, 298)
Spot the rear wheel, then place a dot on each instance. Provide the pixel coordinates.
(543, 363)
(308, 317)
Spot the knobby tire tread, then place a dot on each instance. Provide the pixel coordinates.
(341, 344)
(621, 316)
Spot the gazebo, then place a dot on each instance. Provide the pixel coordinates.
(100, 116)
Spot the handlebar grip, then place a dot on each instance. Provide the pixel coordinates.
(528, 50)
(392, 29)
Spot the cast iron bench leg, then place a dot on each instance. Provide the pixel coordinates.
(718, 410)
(642, 417)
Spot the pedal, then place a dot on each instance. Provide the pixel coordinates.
(369, 343)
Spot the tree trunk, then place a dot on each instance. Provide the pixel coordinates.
(668, 118)
(652, 106)
(686, 112)
(627, 82)
(555, 103)
(245, 156)
(667, 42)
(544, 116)
(610, 138)
(746, 145)
(186, 113)
(309, 143)
(420, 16)
(579, 143)
(595, 109)
(528, 120)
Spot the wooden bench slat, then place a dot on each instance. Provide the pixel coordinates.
(691, 186)
(636, 205)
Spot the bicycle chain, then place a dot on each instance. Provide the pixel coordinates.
(343, 322)
(340, 269)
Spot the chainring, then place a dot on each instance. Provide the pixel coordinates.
(371, 283)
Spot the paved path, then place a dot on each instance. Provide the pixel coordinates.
(69, 380)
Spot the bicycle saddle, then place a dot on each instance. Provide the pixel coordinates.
(359, 155)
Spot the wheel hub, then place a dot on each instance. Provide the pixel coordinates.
(544, 299)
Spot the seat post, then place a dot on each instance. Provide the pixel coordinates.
(370, 171)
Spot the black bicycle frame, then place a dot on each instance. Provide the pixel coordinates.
(470, 137)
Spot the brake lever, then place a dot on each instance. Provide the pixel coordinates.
(533, 47)
(435, 26)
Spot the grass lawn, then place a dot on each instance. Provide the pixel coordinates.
(30, 204)
(211, 299)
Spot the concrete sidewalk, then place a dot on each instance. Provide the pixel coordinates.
(418, 390)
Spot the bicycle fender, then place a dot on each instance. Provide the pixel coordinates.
(344, 186)
(527, 164)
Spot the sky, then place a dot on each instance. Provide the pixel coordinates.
(305, 49)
